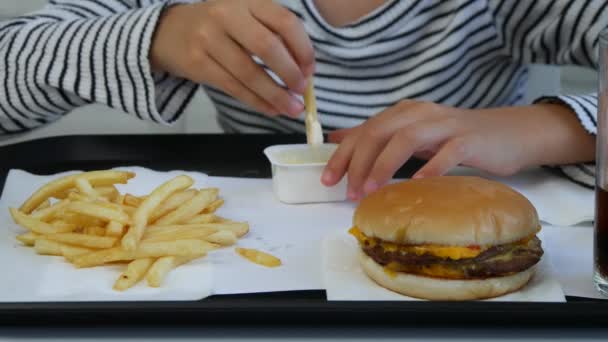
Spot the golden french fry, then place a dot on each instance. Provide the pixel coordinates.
(162, 266)
(120, 199)
(43, 205)
(98, 211)
(64, 226)
(28, 238)
(214, 206)
(34, 224)
(259, 257)
(115, 229)
(47, 247)
(223, 237)
(190, 208)
(48, 213)
(94, 231)
(109, 191)
(44, 246)
(57, 186)
(177, 247)
(101, 257)
(172, 202)
(143, 212)
(219, 219)
(83, 240)
(78, 197)
(80, 220)
(202, 218)
(85, 187)
(135, 271)
(177, 233)
(132, 200)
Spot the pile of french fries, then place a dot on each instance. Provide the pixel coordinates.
(85, 219)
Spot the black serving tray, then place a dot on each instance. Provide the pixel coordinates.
(241, 156)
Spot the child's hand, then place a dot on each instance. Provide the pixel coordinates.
(212, 42)
(500, 141)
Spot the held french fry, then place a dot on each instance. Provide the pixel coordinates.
(190, 208)
(172, 203)
(162, 266)
(35, 225)
(143, 212)
(98, 211)
(135, 271)
(83, 240)
(259, 257)
(95, 178)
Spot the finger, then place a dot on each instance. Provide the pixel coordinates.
(450, 155)
(402, 146)
(265, 44)
(291, 30)
(364, 156)
(240, 64)
(338, 163)
(338, 135)
(221, 78)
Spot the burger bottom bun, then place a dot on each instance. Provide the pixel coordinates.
(444, 289)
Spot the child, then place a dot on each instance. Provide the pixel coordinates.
(441, 80)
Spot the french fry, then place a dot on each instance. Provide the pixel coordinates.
(202, 218)
(177, 233)
(44, 246)
(214, 206)
(177, 247)
(223, 237)
(34, 224)
(120, 199)
(259, 257)
(47, 247)
(109, 191)
(80, 220)
(190, 208)
(172, 203)
(135, 271)
(143, 212)
(162, 266)
(28, 238)
(43, 205)
(132, 200)
(64, 226)
(47, 213)
(94, 231)
(95, 178)
(78, 197)
(101, 257)
(98, 211)
(115, 229)
(83, 240)
(83, 185)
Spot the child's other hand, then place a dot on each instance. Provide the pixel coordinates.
(501, 141)
(213, 43)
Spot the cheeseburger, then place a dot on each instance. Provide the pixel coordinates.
(448, 238)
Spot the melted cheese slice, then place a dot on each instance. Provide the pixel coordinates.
(452, 252)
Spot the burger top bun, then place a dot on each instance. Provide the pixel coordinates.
(447, 210)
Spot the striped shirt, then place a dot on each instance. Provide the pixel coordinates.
(461, 53)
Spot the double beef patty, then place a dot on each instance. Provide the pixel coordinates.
(496, 261)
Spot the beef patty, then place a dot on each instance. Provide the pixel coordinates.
(496, 261)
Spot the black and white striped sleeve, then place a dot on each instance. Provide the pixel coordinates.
(75, 52)
(559, 32)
